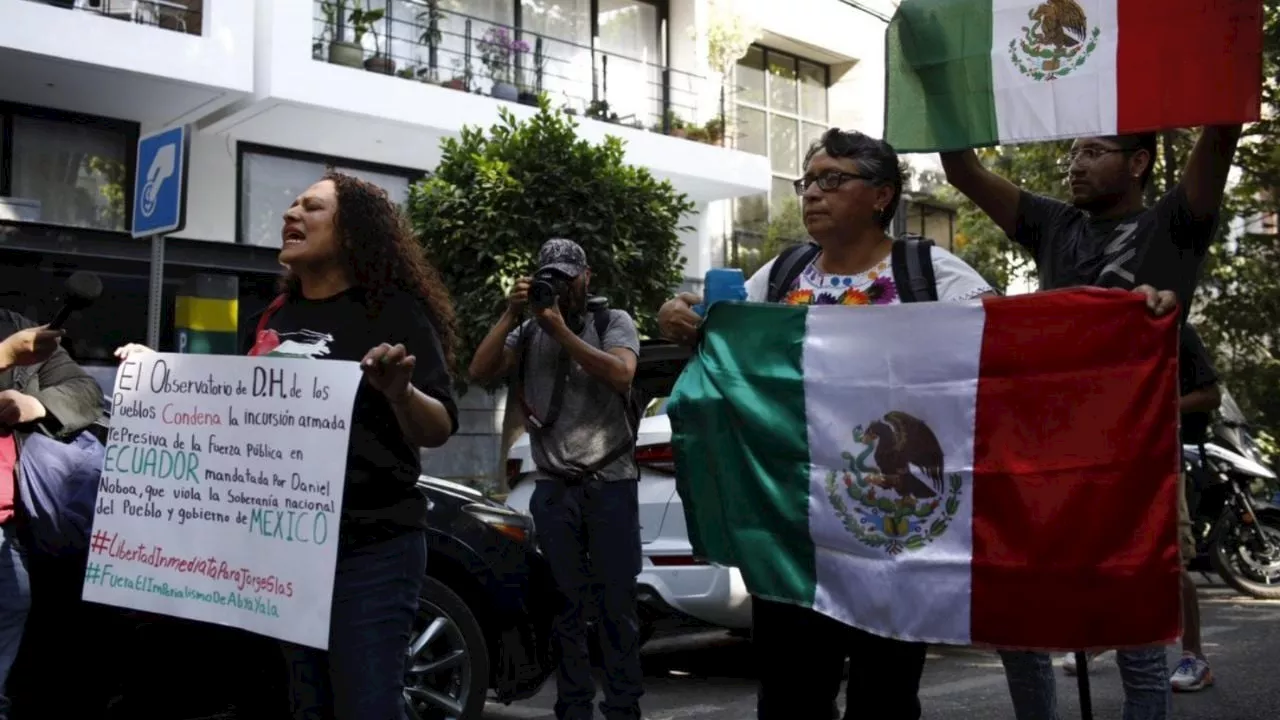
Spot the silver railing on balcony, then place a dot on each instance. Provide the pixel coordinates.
(418, 42)
(178, 15)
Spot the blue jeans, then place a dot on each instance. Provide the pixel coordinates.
(15, 603)
(1143, 671)
(375, 599)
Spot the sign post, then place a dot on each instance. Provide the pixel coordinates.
(160, 206)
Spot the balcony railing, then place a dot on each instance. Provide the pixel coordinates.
(472, 54)
(179, 15)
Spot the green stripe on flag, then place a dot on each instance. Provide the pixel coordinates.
(740, 437)
(938, 86)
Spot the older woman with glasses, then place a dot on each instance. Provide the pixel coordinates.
(850, 192)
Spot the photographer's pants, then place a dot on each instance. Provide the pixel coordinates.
(590, 534)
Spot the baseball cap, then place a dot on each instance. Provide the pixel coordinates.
(564, 256)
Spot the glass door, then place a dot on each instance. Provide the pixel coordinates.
(629, 60)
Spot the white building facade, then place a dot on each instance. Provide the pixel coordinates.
(278, 90)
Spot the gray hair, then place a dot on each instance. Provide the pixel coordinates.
(875, 158)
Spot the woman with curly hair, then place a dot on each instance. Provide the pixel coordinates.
(359, 288)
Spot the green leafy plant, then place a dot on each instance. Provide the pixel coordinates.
(499, 193)
(363, 20)
(430, 19)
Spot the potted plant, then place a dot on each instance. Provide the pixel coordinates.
(461, 76)
(599, 110)
(529, 96)
(497, 48)
(715, 131)
(675, 126)
(341, 52)
(364, 21)
(431, 36)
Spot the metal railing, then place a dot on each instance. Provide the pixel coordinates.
(178, 15)
(472, 54)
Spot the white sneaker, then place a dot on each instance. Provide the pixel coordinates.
(1069, 661)
(1192, 674)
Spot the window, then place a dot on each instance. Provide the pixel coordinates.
(271, 179)
(66, 170)
(578, 50)
(780, 109)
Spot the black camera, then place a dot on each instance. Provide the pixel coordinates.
(547, 285)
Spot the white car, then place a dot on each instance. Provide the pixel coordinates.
(673, 584)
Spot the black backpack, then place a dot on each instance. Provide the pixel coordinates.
(912, 269)
(633, 402)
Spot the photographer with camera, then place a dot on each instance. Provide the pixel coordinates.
(574, 362)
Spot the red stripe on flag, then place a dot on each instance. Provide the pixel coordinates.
(1076, 462)
(1184, 63)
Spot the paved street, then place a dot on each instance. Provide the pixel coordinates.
(708, 675)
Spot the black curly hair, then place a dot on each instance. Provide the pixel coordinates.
(384, 256)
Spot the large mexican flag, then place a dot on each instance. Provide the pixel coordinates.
(1001, 473)
(971, 73)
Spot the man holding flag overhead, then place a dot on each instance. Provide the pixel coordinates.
(1108, 73)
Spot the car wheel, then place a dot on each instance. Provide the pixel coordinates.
(447, 669)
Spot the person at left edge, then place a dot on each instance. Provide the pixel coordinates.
(359, 288)
(41, 390)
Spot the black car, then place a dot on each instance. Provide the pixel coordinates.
(481, 633)
(484, 614)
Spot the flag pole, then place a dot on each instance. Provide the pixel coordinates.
(1082, 682)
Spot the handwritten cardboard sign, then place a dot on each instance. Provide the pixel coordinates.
(222, 490)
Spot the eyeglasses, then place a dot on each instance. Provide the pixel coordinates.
(827, 181)
(1088, 155)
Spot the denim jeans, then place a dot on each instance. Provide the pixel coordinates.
(1143, 671)
(375, 599)
(15, 604)
(590, 535)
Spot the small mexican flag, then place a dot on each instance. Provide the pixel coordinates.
(1002, 473)
(972, 73)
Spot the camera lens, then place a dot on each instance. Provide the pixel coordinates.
(541, 295)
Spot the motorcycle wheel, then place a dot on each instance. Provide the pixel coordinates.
(1242, 566)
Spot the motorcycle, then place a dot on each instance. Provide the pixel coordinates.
(1237, 533)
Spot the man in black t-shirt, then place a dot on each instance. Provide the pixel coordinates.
(1107, 237)
(1200, 396)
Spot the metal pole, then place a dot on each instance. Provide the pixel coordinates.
(1082, 681)
(155, 292)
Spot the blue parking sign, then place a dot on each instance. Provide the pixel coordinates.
(160, 180)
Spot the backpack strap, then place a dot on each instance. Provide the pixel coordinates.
(913, 269)
(788, 266)
(602, 318)
(557, 390)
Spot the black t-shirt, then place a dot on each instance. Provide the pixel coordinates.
(1195, 371)
(381, 498)
(1163, 246)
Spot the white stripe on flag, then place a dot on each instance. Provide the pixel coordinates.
(860, 365)
(1081, 102)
